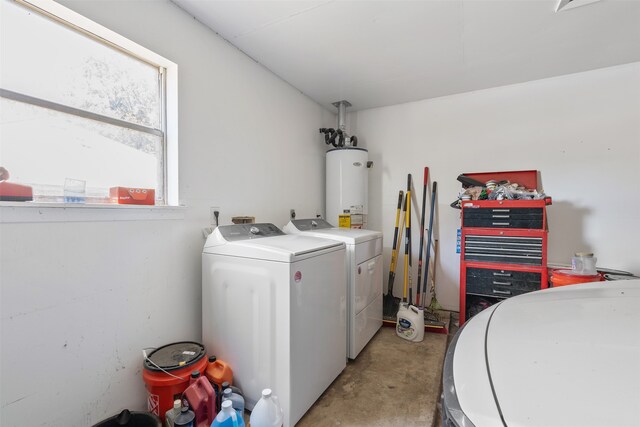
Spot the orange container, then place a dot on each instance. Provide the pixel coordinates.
(218, 372)
(202, 401)
(167, 371)
(567, 277)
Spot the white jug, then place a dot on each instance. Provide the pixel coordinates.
(267, 412)
(410, 322)
(584, 263)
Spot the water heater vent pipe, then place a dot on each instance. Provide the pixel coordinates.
(338, 137)
(342, 114)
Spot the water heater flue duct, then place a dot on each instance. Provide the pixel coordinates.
(339, 137)
(342, 113)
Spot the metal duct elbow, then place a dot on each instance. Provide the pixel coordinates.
(332, 138)
(327, 134)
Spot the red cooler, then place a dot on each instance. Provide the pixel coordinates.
(167, 371)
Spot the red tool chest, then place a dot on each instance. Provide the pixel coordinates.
(503, 251)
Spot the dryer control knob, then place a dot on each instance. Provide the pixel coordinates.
(254, 230)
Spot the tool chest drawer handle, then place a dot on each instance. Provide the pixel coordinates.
(502, 274)
(496, 291)
(502, 283)
(499, 216)
(501, 210)
(500, 223)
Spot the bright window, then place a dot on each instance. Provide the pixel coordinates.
(80, 104)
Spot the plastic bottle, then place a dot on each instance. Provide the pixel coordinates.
(194, 376)
(218, 372)
(186, 418)
(228, 417)
(220, 391)
(202, 399)
(236, 399)
(267, 412)
(584, 263)
(235, 389)
(172, 414)
(410, 323)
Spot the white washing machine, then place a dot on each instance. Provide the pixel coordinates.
(364, 277)
(274, 308)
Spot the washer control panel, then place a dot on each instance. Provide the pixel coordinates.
(248, 231)
(311, 224)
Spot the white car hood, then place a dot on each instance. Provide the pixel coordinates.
(568, 356)
(472, 385)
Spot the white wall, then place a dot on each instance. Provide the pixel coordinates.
(80, 300)
(581, 131)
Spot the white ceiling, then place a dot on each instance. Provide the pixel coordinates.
(376, 53)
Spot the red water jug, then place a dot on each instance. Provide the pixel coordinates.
(202, 400)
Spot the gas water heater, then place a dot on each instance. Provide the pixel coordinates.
(347, 187)
(347, 181)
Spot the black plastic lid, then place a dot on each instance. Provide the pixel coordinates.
(131, 419)
(195, 374)
(184, 418)
(212, 359)
(175, 356)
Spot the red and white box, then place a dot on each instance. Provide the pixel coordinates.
(132, 196)
(12, 192)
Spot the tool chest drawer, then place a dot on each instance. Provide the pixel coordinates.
(501, 283)
(530, 218)
(503, 249)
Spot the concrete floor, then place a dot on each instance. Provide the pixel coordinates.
(393, 382)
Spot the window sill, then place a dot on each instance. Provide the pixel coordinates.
(17, 212)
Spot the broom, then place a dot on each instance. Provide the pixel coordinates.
(390, 302)
(434, 305)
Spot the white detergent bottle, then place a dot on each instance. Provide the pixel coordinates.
(410, 323)
(267, 412)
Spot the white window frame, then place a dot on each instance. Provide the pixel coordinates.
(74, 20)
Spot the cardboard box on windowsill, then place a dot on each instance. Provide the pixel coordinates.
(132, 196)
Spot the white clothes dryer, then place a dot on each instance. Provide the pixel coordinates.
(364, 277)
(274, 308)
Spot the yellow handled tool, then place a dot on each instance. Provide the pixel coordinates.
(407, 241)
(389, 300)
